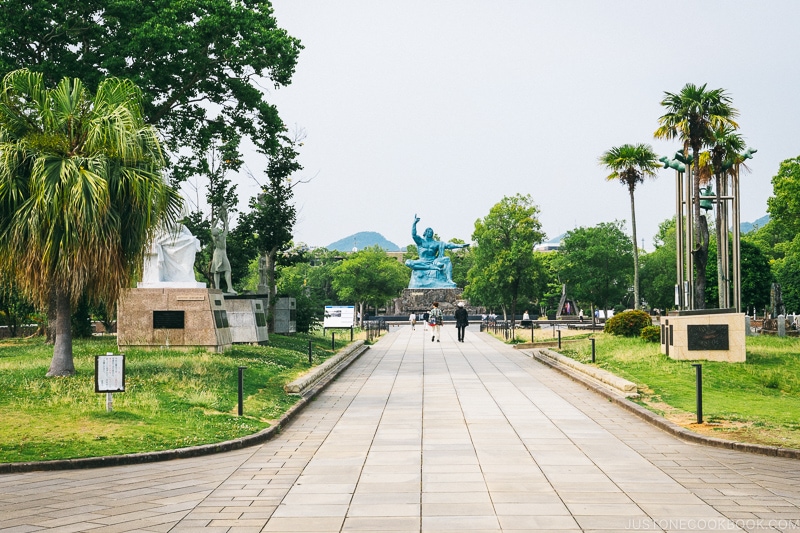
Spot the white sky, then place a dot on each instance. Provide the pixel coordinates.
(441, 108)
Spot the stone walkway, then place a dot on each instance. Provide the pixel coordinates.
(419, 436)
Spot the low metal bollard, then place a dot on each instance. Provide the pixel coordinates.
(699, 389)
(592, 339)
(309, 351)
(241, 389)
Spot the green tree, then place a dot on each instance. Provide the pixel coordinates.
(780, 237)
(757, 277)
(80, 188)
(784, 204)
(271, 219)
(692, 115)
(658, 271)
(596, 263)
(310, 283)
(369, 277)
(505, 267)
(630, 164)
(462, 260)
(201, 65)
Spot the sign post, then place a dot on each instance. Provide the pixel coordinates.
(109, 375)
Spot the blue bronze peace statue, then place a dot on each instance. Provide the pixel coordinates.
(433, 269)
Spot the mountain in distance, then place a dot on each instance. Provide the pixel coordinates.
(363, 239)
(746, 227)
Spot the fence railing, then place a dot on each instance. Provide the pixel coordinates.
(373, 328)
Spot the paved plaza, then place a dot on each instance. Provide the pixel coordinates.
(419, 436)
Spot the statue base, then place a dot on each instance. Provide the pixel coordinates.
(181, 318)
(247, 315)
(421, 300)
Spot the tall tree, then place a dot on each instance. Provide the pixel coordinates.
(271, 221)
(630, 164)
(201, 64)
(80, 188)
(692, 116)
(596, 263)
(369, 277)
(505, 267)
(658, 273)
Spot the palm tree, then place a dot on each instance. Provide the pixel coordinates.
(692, 116)
(630, 164)
(81, 193)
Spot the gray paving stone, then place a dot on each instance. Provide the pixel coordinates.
(472, 436)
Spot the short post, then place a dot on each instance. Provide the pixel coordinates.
(532, 328)
(351, 333)
(699, 386)
(309, 351)
(554, 329)
(241, 389)
(559, 339)
(592, 339)
(333, 341)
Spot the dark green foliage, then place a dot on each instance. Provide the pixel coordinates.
(628, 323)
(651, 333)
(182, 54)
(596, 264)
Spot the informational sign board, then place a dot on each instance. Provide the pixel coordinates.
(109, 373)
(339, 316)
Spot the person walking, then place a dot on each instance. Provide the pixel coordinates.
(461, 321)
(435, 317)
(412, 319)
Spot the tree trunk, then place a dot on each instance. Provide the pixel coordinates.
(50, 328)
(700, 255)
(62, 364)
(700, 252)
(635, 253)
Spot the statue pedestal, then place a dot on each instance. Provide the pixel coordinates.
(171, 317)
(421, 300)
(247, 316)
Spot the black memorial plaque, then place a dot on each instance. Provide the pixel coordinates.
(168, 320)
(221, 319)
(708, 337)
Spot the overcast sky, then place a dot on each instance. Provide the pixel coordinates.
(441, 108)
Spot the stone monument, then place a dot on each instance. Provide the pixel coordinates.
(169, 307)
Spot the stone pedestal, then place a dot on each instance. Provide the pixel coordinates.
(247, 316)
(170, 317)
(421, 300)
(710, 335)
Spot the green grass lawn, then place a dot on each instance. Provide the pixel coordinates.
(755, 401)
(173, 399)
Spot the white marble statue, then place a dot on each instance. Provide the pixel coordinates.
(170, 260)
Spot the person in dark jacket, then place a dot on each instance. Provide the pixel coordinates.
(461, 321)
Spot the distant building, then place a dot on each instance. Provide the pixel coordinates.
(547, 247)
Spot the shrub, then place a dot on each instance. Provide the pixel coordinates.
(628, 323)
(651, 333)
